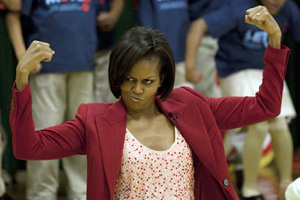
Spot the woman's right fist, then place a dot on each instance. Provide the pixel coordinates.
(37, 52)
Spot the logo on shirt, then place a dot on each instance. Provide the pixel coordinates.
(255, 39)
(68, 5)
(172, 4)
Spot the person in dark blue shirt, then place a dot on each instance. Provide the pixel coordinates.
(109, 14)
(59, 87)
(206, 82)
(172, 19)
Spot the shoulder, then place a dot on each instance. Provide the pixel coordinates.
(185, 94)
(94, 108)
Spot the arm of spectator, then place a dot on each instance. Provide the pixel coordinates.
(12, 5)
(15, 33)
(107, 20)
(14, 28)
(194, 37)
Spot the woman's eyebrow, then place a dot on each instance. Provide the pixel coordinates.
(151, 76)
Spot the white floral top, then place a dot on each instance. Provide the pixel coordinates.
(150, 174)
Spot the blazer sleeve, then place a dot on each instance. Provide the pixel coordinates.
(234, 112)
(55, 142)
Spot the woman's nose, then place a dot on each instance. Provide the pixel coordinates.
(137, 88)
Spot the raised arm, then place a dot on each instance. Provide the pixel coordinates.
(233, 112)
(55, 142)
(194, 37)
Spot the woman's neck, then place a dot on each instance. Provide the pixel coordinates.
(143, 114)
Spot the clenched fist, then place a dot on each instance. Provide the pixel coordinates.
(259, 16)
(37, 52)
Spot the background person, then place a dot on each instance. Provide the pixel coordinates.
(109, 14)
(172, 19)
(58, 87)
(205, 78)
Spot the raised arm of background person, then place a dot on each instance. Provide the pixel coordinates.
(107, 20)
(12, 5)
(36, 52)
(194, 37)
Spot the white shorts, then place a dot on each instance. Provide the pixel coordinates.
(247, 82)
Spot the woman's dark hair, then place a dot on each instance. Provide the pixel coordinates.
(137, 44)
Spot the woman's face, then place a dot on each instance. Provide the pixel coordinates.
(139, 89)
(273, 6)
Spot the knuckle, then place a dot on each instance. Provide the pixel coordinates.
(35, 43)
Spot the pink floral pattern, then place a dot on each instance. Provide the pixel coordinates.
(150, 174)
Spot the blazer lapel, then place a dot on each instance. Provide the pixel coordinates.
(190, 123)
(111, 130)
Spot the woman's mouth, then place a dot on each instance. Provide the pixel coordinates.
(135, 99)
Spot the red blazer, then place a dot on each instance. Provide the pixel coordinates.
(98, 131)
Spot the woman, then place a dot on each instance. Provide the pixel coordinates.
(154, 142)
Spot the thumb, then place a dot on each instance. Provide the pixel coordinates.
(37, 69)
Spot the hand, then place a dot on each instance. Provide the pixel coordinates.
(260, 17)
(106, 21)
(37, 52)
(193, 76)
(37, 69)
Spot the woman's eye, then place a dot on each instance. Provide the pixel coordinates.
(129, 79)
(148, 81)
